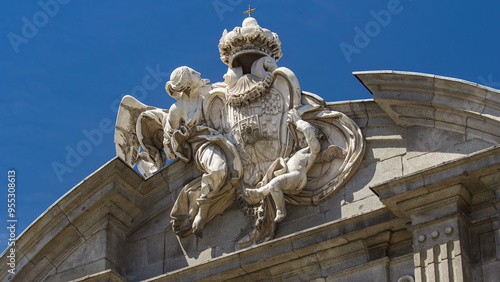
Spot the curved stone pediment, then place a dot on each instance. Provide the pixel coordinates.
(430, 176)
(418, 99)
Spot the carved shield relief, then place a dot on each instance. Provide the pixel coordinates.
(257, 129)
(260, 133)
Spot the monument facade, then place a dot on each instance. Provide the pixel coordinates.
(270, 182)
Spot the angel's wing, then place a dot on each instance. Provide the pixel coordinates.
(150, 131)
(126, 141)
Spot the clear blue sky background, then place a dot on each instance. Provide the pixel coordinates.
(65, 76)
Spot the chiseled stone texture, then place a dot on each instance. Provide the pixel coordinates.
(428, 165)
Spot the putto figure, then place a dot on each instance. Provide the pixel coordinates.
(289, 177)
(256, 138)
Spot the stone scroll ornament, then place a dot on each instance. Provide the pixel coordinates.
(256, 138)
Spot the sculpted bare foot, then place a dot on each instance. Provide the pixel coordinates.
(253, 193)
(198, 224)
(280, 215)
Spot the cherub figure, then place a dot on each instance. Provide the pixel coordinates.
(292, 177)
(187, 138)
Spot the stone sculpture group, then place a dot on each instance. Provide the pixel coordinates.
(256, 137)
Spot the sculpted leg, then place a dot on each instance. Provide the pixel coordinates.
(193, 205)
(259, 192)
(214, 165)
(279, 201)
(199, 220)
(213, 180)
(275, 187)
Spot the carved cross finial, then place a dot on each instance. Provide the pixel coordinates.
(250, 10)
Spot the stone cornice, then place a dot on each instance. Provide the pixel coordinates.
(417, 99)
(403, 195)
(107, 199)
(332, 235)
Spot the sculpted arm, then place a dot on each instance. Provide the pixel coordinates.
(172, 123)
(307, 129)
(173, 119)
(310, 135)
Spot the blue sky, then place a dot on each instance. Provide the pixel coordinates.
(64, 66)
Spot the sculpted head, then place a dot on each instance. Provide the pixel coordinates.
(183, 80)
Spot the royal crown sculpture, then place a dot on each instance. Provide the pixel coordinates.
(256, 138)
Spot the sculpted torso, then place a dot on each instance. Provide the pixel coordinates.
(185, 112)
(185, 86)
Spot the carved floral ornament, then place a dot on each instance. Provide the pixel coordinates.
(256, 138)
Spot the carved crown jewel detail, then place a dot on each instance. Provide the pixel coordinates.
(249, 38)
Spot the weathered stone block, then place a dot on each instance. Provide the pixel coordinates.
(294, 266)
(467, 95)
(401, 266)
(93, 249)
(341, 262)
(446, 153)
(226, 268)
(136, 252)
(173, 264)
(153, 221)
(80, 271)
(107, 275)
(488, 247)
(173, 248)
(333, 214)
(266, 255)
(155, 248)
(233, 221)
(300, 212)
(490, 271)
(422, 139)
(384, 133)
(188, 244)
(263, 275)
(223, 248)
(418, 121)
(199, 257)
(42, 269)
(145, 272)
(387, 169)
(316, 240)
(481, 124)
(43, 232)
(289, 227)
(357, 185)
(339, 251)
(300, 273)
(373, 271)
(361, 206)
(380, 121)
(385, 149)
(361, 122)
(414, 95)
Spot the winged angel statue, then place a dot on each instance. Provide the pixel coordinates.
(256, 138)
